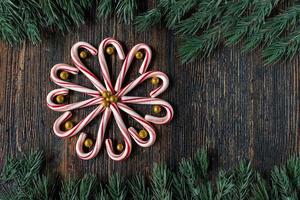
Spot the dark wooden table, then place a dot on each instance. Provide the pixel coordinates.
(229, 103)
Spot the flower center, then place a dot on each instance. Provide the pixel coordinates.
(108, 98)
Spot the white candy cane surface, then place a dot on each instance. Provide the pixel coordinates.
(112, 109)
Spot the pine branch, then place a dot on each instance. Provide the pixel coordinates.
(284, 48)
(207, 13)
(69, 190)
(117, 188)
(250, 24)
(293, 172)
(138, 188)
(161, 183)
(273, 28)
(105, 8)
(101, 193)
(205, 44)
(148, 19)
(126, 9)
(178, 10)
(225, 186)
(259, 189)
(86, 187)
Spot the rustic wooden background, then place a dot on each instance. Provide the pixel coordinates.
(229, 103)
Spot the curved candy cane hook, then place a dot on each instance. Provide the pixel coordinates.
(128, 61)
(71, 106)
(100, 137)
(152, 101)
(102, 60)
(69, 85)
(143, 122)
(78, 127)
(154, 93)
(74, 55)
(126, 152)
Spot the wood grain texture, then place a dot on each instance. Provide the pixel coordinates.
(229, 103)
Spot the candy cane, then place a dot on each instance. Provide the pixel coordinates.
(143, 122)
(99, 140)
(71, 106)
(152, 101)
(128, 61)
(74, 55)
(64, 117)
(102, 60)
(126, 152)
(157, 91)
(69, 85)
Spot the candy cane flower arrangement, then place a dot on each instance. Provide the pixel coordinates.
(108, 99)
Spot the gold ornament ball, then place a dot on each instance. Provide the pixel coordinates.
(88, 143)
(105, 94)
(113, 98)
(110, 50)
(139, 55)
(68, 125)
(105, 104)
(156, 109)
(64, 75)
(107, 99)
(83, 54)
(60, 99)
(143, 134)
(154, 80)
(120, 147)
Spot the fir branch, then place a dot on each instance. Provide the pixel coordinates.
(69, 190)
(259, 189)
(284, 48)
(293, 172)
(250, 24)
(243, 177)
(86, 187)
(126, 9)
(105, 8)
(101, 193)
(181, 189)
(177, 10)
(161, 183)
(138, 188)
(117, 188)
(208, 11)
(148, 19)
(273, 28)
(225, 186)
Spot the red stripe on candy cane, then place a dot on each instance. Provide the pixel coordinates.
(128, 61)
(100, 137)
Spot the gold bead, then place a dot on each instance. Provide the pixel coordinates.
(156, 109)
(60, 99)
(120, 147)
(113, 98)
(68, 125)
(107, 99)
(154, 80)
(143, 134)
(105, 104)
(139, 55)
(88, 143)
(105, 94)
(110, 50)
(83, 54)
(64, 75)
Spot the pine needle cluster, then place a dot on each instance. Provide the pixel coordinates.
(200, 25)
(22, 178)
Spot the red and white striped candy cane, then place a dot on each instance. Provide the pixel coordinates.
(71, 106)
(74, 55)
(152, 101)
(128, 146)
(102, 60)
(72, 86)
(154, 93)
(78, 127)
(143, 122)
(100, 137)
(128, 61)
